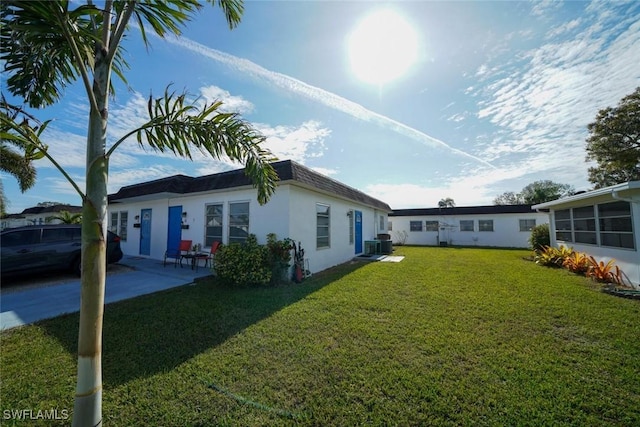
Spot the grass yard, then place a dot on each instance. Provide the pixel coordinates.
(446, 337)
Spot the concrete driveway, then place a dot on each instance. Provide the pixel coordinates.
(133, 276)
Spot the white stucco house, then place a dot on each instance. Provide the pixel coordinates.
(331, 220)
(498, 226)
(604, 223)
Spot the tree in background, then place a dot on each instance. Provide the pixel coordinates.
(509, 198)
(614, 143)
(16, 156)
(66, 217)
(45, 47)
(446, 203)
(545, 191)
(534, 193)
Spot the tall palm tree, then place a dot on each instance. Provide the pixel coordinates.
(47, 45)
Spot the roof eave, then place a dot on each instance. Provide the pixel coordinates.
(631, 185)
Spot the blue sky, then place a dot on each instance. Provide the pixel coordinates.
(498, 95)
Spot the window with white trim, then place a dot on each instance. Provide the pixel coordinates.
(485, 225)
(466, 225)
(527, 224)
(616, 225)
(563, 225)
(584, 225)
(322, 225)
(606, 224)
(238, 222)
(119, 222)
(415, 225)
(213, 223)
(431, 226)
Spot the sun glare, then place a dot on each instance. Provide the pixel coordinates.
(382, 47)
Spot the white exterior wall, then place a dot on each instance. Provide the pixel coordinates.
(506, 230)
(627, 259)
(291, 212)
(270, 218)
(303, 227)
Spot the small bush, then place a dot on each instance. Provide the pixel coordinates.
(604, 273)
(243, 264)
(279, 256)
(553, 257)
(577, 262)
(400, 237)
(540, 237)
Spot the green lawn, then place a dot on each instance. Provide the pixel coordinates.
(446, 337)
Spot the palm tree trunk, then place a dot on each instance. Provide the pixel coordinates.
(88, 400)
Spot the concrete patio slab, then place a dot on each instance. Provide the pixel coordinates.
(21, 307)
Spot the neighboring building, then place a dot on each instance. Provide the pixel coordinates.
(330, 219)
(497, 226)
(604, 223)
(37, 215)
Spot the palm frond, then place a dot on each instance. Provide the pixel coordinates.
(38, 57)
(179, 127)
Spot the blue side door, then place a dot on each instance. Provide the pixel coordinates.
(145, 232)
(358, 233)
(174, 231)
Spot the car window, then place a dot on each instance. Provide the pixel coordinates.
(60, 234)
(21, 238)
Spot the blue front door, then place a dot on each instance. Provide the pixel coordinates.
(145, 232)
(174, 232)
(358, 227)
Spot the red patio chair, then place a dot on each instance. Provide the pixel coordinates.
(177, 253)
(208, 257)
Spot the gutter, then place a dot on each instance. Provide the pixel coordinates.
(616, 196)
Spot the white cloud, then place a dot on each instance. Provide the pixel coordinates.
(295, 143)
(230, 103)
(565, 28)
(549, 95)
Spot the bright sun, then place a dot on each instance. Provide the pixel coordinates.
(382, 47)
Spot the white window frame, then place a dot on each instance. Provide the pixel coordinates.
(464, 224)
(118, 224)
(569, 232)
(415, 226)
(321, 213)
(485, 225)
(232, 223)
(525, 224)
(206, 223)
(431, 223)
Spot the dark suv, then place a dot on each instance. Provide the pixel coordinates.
(47, 247)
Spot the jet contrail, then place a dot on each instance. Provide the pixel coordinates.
(329, 99)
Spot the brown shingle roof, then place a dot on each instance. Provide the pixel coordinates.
(287, 170)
